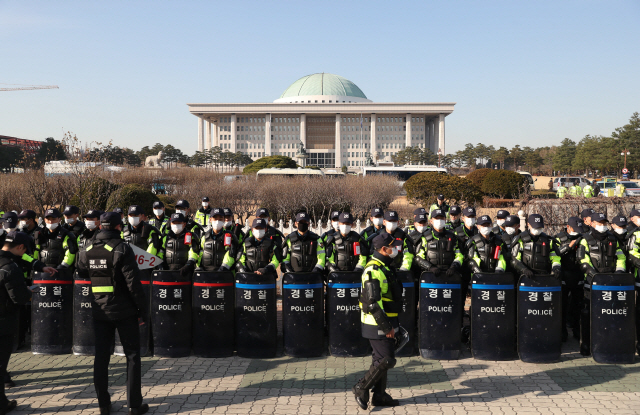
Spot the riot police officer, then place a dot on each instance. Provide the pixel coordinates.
(501, 217)
(92, 226)
(230, 225)
(587, 191)
(27, 224)
(416, 212)
(440, 204)
(190, 226)
(619, 229)
(535, 252)
(72, 224)
(176, 245)
(218, 247)
(485, 250)
(465, 232)
(420, 225)
(454, 221)
(303, 250)
(270, 231)
(380, 302)
(633, 246)
(438, 251)
(159, 219)
(562, 191)
(202, 215)
(139, 233)
(118, 303)
(334, 219)
(377, 217)
(13, 294)
(57, 246)
(345, 249)
(260, 253)
(599, 252)
(575, 190)
(120, 212)
(405, 251)
(585, 215)
(568, 242)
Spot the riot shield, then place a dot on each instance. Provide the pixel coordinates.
(171, 314)
(493, 316)
(83, 335)
(52, 313)
(407, 318)
(613, 318)
(256, 315)
(145, 329)
(213, 314)
(539, 319)
(303, 314)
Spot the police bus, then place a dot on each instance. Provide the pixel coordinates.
(403, 172)
(299, 172)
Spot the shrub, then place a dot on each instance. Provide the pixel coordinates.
(279, 162)
(504, 184)
(93, 194)
(423, 188)
(477, 176)
(132, 194)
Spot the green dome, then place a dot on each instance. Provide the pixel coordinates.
(323, 84)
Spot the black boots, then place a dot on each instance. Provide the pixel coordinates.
(142, 409)
(10, 407)
(585, 330)
(376, 376)
(380, 396)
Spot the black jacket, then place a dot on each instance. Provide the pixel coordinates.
(128, 298)
(13, 290)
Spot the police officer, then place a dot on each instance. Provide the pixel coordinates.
(202, 215)
(139, 233)
(485, 250)
(405, 251)
(27, 223)
(568, 242)
(159, 219)
(8, 223)
(619, 229)
(587, 191)
(260, 253)
(454, 222)
(72, 224)
(377, 218)
(345, 249)
(118, 303)
(438, 251)
(57, 247)
(191, 226)
(120, 212)
(176, 245)
(633, 246)
(534, 252)
(585, 215)
(599, 252)
(465, 232)
(501, 217)
(440, 204)
(218, 247)
(13, 294)
(334, 219)
(562, 191)
(420, 225)
(575, 190)
(92, 226)
(620, 189)
(230, 225)
(418, 211)
(270, 231)
(303, 250)
(380, 302)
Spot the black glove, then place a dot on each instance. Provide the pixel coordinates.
(332, 268)
(452, 271)
(556, 272)
(187, 270)
(435, 271)
(223, 269)
(590, 274)
(287, 268)
(499, 271)
(527, 273)
(317, 269)
(475, 269)
(240, 268)
(262, 271)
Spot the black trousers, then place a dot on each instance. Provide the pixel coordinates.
(129, 332)
(8, 333)
(382, 348)
(572, 298)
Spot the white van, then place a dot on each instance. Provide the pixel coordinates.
(568, 182)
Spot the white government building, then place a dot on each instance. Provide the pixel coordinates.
(322, 112)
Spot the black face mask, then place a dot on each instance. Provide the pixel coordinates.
(303, 226)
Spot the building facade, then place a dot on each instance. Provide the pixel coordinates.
(330, 117)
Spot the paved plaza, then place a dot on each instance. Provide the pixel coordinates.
(284, 385)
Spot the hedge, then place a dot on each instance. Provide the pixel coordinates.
(504, 184)
(132, 194)
(477, 176)
(424, 187)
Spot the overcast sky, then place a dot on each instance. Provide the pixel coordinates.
(528, 73)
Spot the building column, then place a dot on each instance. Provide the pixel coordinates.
(200, 134)
(441, 134)
(372, 136)
(207, 125)
(233, 134)
(408, 136)
(267, 135)
(434, 139)
(216, 133)
(303, 130)
(338, 143)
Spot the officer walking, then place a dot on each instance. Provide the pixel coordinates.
(119, 303)
(176, 245)
(13, 294)
(568, 242)
(485, 250)
(159, 219)
(218, 247)
(377, 217)
(454, 222)
(561, 193)
(599, 252)
(303, 250)
(230, 225)
(345, 249)
(202, 215)
(72, 224)
(57, 246)
(380, 302)
(139, 233)
(534, 252)
(438, 251)
(260, 253)
(440, 204)
(92, 226)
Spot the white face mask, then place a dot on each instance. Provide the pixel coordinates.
(536, 231)
(573, 233)
(134, 220)
(205, 204)
(217, 225)
(184, 212)
(259, 233)
(335, 224)
(228, 224)
(70, 221)
(500, 222)
(394, 253)
(177, 228)
(52, 226)
(601, 228)
(345, 229)
(470, 222)
(510, 230)
(421, 228)
(439, 224)
(90, 224)
(158, 212)
(377, 221)
(620, 231)
(391, 226)
(22, 224)
(484, 230)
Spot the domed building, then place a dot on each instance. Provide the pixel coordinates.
(330, 117)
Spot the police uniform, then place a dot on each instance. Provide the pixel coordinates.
(572, 277)
(501, 217)
(56, 248)
(303, 252)
(275, 235)
(176, 245)
(587, 191)
(416, 212)
(415, 236)
(380, 302)
(348, 251)
(231, 225)
(585, 215)
(259, 254)
(76, 227)
(117, 303)
(182, 206)
(218, 247)
(334, 218)
(442, 206)
(535, 254)
(464, 233)
(453, 224)
(438, 251)
(159, 221)
(84, 239)
(562, 191)
(377, 217)
(599, 252)
(405, 251)
(142, 234)
(485, 252)
(202, 214)
(13, 295)
(575, 190)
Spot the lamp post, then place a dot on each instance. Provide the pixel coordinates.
(625, 153)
